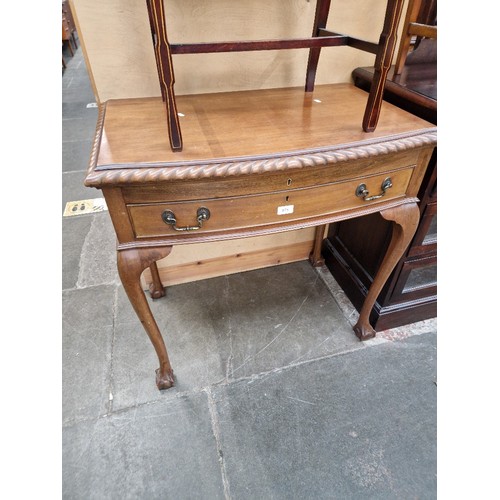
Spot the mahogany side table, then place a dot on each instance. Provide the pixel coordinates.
(254, 163)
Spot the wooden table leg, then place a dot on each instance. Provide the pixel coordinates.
(405, 220)
(131, 264)
(315, 257)
(156, 288)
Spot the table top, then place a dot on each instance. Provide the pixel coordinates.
(241, 128)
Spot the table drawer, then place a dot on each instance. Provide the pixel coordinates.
(241, 212)
(250, 184)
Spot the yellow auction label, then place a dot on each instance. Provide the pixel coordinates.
(82, 207)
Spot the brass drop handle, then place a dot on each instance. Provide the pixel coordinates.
(202, 214)
(362, 192)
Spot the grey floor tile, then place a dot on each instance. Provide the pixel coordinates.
(76, 155)
(78, 129)
(76, 85)
(66, 53)
(279, 316)
(73, 188)
(78, 93)
(72, 110)
(76, 75)
(230, 327)
(75, 64)
(74, 232)
(87, 330)
(76, 71)
(192, 343)
(356, 426)
(162, 451)
(98, 257)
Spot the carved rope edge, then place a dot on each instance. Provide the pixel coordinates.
(126, 174)
(96, 144)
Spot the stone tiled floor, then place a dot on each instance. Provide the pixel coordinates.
(275, 397)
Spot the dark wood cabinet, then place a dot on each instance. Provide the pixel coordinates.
(354, 248)
(68, 27)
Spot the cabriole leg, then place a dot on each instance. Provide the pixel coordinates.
(405, 219)
(315, 258)
(156, 288)
(131, 264)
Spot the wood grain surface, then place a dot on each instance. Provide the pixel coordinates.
(238, 124)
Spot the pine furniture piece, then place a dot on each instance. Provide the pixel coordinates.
(353, 249)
